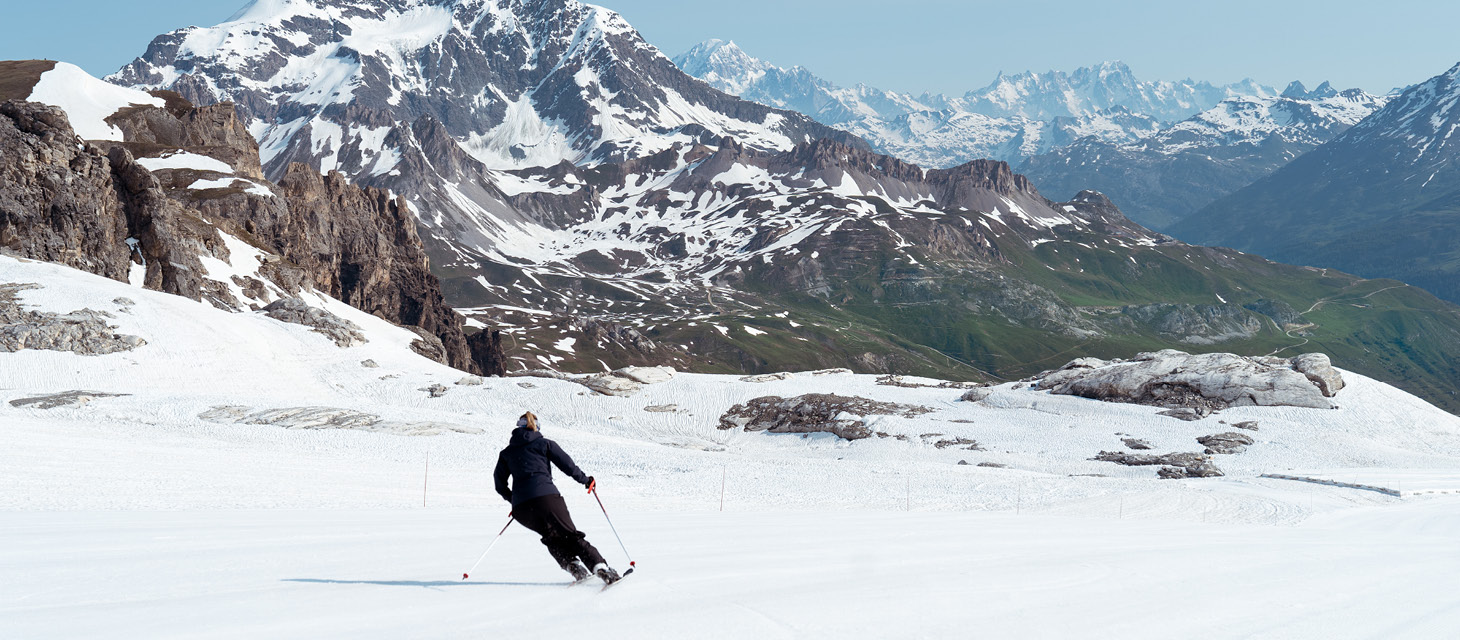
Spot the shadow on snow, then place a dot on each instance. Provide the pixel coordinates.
(430, 583)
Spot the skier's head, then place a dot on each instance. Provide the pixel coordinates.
(528, 420)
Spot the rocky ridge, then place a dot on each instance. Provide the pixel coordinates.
(185, 210)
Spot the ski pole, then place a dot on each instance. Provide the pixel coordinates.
(466, 575)
(615, 531)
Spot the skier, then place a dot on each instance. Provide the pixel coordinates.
(537, 504)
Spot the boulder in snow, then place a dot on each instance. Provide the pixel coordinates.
(1203, 382)
(1225, 443)
(646, 375)
(843, 416)
(293, 310)
(767, 377)
(471, 381)
(436, 390)
(611, 385)
(1194, 465)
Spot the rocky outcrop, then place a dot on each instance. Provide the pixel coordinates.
(101, 211)
(328, 418)
(57, 197)
(293, 310)
(1136, 443)
(843, 416)
(1319, 370)
(360, 246)
(1225, 443)
(84, 332)
(1188, 465)
(1203, 382)
(69, 399)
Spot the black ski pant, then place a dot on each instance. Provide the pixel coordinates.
(548, 517)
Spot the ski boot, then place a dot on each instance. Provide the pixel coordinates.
(580, 572)
(609, 576)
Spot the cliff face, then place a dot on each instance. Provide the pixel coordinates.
(103, 211)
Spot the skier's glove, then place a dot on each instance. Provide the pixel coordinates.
(592, 484)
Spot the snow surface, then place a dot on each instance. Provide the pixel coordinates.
(133, 516)
(88, 101)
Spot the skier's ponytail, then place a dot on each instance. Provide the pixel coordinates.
(528, 420)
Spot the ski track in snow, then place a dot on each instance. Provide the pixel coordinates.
(132, 516)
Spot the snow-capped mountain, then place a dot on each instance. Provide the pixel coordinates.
(1379, 199)
(1013, 118)
(1166, 176)
(332, 82)
(702, 230)
(1089, 90)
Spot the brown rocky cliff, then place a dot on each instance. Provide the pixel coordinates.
(67, 201)
(360, 245)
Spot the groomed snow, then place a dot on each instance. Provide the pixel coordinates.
(133, 516)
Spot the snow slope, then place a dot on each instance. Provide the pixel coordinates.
(137, 516)
(88, 101)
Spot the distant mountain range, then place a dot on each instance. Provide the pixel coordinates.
(1164, 177)
(1382, 199)
(1160, 149)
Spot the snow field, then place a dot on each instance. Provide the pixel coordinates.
(132, 516)
(310, 574)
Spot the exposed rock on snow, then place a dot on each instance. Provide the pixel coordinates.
(429, 346)
(611, 385)
(369, 364)
(646, 375)
(1191, 465)
(83, 332)
(662, 408)
(814, 413)
(993, 465)
(767, 377)
(965, 443)
(829, 372)
(328, 418)
(67, 399)
(1319, 369)
(1189, 414)
(1136, 443)
(891, 380)
(1201, 383)
(1229, 442)
(471, 381)
(343, 332)
(436, 390)
(977, 394)
(1250, 425)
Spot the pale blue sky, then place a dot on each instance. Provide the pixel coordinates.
(939, 45)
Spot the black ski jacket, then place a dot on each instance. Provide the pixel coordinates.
(526, 460)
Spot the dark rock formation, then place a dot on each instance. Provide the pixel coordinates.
(1136, 443)
(64, 399)
(52, 189)
(1225, 443)
(843, 416)
(293, 310)
(1192, 465)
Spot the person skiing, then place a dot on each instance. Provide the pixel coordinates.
(537, 504)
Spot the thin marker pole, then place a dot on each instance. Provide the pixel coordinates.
(724, 473)
(909, 493)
